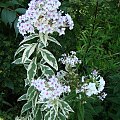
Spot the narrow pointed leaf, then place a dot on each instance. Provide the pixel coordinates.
(32, 69)
(49, 58)
(66, 106)
(30, 37)
(43, 38)
(28, 51)
(47, 116)
(26, 107)
(19, 61)
(46, 70)
(21, 48)
(61, 116)
(53, 40)
(23, 97)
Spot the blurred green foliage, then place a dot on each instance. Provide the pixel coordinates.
(96, 37)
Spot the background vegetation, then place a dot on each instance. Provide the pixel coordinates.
(96, 38)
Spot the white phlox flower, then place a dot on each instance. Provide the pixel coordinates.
(50, 89)
(93, 85)
(43, 16)
(70, 59)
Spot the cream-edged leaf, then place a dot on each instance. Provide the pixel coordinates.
(19, 61)
(49, 58)
(28, 51)
(21, 48)
(52, 39)
(32, 68)
(26, 107)
(23, 97)
(46, 70)
(30, 37)
(43, 38)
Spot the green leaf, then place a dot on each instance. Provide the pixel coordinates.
(26, 107)
(4, 5)
(15, 27)
(28, 51)
(23, 97)
(53, 40)
(11, 17)
(46, 70)
(35, 111)
(8, 16)
(21, 10)
(21, 48)
(4, 15)
(49, 58)
(30, 37)
(32, 68)
(38, 115)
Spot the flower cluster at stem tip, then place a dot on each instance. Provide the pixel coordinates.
(43, 16)
(93, 85)
(70, 59)
(50, 89)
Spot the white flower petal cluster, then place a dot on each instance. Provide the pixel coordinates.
(50, 89)
(92, 85)
(70, 59)
(43, 16)
(102, 96)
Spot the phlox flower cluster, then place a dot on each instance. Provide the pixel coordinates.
(50, 89)
(93, 85)
(70, 59)
(43, 16)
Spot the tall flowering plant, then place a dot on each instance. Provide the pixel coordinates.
(48, 90)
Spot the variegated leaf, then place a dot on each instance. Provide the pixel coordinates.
(26, 66)
(30, 90)
(44, 107)
(19, 61)
(53, 115)
(40, 46)
(46, 70)
(26, 107)
(21, 48)
(28, 51)
(49, 58)
(43, 38)
(47, 116)
(23, 97)
(61, 116)
(66, 106)
(32, 68)
(30, 37)
(53, 40)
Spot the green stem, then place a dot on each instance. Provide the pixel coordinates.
(82, 110)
